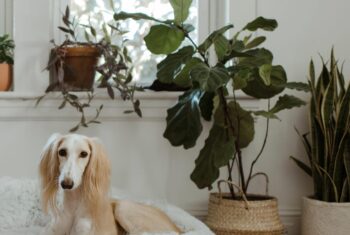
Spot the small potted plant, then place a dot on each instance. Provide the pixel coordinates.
(328, 149)
(73, 66)
(6, 62)
(240, 65)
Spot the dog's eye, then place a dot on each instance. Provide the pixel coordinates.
(83, 154)
(62, 152)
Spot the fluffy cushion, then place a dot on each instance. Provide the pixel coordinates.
(20, 211)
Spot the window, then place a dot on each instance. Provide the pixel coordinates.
(33, 47)
(96, 11)
(5, 17)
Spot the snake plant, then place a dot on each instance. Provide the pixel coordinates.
(328, 149)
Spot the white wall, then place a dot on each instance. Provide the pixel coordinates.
(145, 163)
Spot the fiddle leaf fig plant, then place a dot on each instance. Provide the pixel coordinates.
(210, 89)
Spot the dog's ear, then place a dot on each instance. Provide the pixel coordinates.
(49, 172)
(97, 173)
(96, 179)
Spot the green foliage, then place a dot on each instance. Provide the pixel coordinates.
(256, 86)
(284, 102)
(114, 68)
(164, 39)
(184, 116)
(216, 153)
(328, 153)
(6, 49)
(240, 62)
(171, 66)
(213, 37)
(209, 79)
(261, 23)
(242, 121)
(181, 9)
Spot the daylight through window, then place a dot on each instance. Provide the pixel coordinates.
(95, 12)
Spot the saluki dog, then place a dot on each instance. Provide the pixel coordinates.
(79, 167)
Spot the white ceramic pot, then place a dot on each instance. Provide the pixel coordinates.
(325, 218)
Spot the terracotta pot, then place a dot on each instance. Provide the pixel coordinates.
(325, 218)
(5, 77)
(79, 68)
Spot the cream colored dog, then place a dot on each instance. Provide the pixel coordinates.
(79, 166)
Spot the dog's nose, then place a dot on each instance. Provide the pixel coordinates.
(67, 184)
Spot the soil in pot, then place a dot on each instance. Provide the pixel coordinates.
(79, 67)
(5, 77)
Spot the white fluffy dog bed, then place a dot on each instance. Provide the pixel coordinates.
(20, 212)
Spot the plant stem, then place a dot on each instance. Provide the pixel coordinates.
(195, 45)
(238, 150)
(238, 153)
(262, 148)
(232, 191)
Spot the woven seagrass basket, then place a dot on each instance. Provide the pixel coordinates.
(240, 217)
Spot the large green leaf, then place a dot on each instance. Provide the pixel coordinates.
(287, 102)
(241, 119)
(212, 38)
(265, 73)
(343, 117)
(312, 73)
(181, 9)
(183, 120)
(327, 107)
(256, 58)
(347, 160)
(222, 46)
(171, 65)
(344, 196)
(183, 79)
(217, 151)
(256, 87)
(135, 16)
(255, 42)
(302, 166)
(317, 150)
(261, 23)
(164, 39)
(241, 78)
(299, 86)
(284, 102)
(207, 105)
(208, 78)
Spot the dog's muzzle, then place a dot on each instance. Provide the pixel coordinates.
(67, 184)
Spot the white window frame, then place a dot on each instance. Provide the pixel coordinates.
(35, 24)
(6, 17)
(204, 24)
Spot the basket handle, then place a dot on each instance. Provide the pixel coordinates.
(237, 187)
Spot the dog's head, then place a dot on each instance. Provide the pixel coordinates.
(73, 162)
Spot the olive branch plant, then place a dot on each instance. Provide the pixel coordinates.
(115, 70)
(241, 64)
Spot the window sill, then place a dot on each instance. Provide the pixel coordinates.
(16, 106)
(101, 94)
